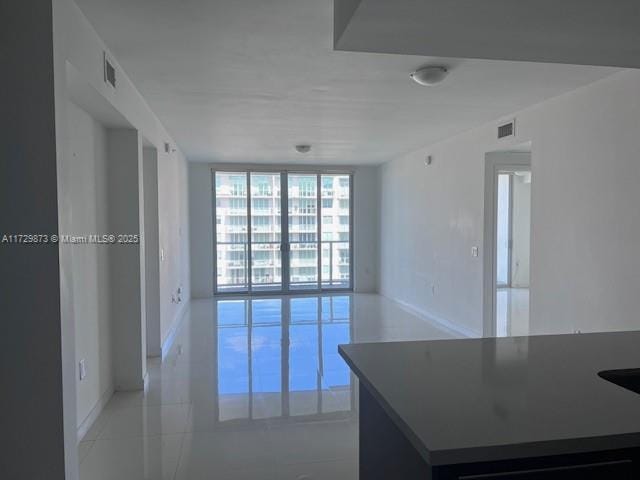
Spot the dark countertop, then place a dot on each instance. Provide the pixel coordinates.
(472, 400)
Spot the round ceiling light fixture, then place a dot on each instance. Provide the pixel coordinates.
(303, 148)
(429, 75)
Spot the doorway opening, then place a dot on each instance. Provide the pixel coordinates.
(507, 235)
(282, 232)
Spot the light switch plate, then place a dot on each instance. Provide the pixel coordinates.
(474, 251)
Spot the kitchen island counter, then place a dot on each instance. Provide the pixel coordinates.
(494, 400)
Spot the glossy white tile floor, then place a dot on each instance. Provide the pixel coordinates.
(252, 389)
(512, 312)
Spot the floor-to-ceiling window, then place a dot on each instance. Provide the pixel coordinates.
(282, 231)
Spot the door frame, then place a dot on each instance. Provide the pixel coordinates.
(284, 171)
(493, 166)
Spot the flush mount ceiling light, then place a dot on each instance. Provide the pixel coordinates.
(303, 148)
(429, 75)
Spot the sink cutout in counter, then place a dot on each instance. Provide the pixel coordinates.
(626, 378)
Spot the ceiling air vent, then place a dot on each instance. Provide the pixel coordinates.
(507, 130)
(109, 71)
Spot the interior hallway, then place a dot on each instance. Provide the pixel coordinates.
(215, 408)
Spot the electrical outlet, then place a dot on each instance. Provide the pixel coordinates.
(82, 368)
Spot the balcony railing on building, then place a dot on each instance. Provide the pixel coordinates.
(233, 265)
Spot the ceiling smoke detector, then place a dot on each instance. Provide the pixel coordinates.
(429, 75)
(303, 148)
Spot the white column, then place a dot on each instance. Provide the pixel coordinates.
(126, 217)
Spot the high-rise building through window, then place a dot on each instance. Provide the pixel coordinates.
(259, 249)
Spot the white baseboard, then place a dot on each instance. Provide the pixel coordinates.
(95, 412)
(173, 330)
(450, 327)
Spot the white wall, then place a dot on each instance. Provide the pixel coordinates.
(521, 231)
(173, 208)
(366, 204)
(76, 43)
(585, 222)
(201, 229)
(126, 260)
(431, 217)
(151, 252)
(90, 263)
(366, 215)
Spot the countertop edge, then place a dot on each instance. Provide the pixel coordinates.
(397, 420)
(569, 446)
(496, 452)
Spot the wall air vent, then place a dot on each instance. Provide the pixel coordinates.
(507, 130)
(109, 71)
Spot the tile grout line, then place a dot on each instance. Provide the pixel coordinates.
(184, 435)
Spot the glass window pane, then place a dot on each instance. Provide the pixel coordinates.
(303, 231)
(231, 231)
(336, 225)
(266, 265)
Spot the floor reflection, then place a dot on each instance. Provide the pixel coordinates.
(512, 312)
(278, 357)
(251, 388)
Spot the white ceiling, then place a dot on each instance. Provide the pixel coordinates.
(246, 80)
